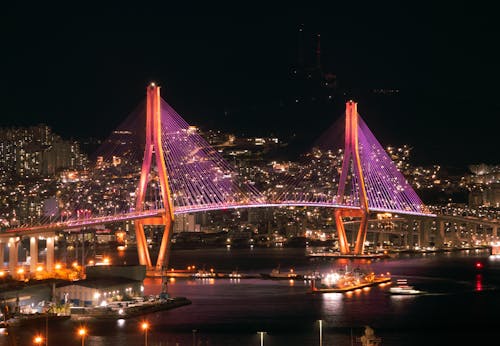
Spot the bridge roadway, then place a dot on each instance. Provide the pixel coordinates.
(12, 237)
(470, 220)
(136, 215)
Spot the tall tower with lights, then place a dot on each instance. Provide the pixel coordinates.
(153, 148)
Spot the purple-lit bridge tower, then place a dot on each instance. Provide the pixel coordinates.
(154, 146)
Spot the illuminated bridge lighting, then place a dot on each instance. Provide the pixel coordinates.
(200, 179)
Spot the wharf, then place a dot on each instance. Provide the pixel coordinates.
(235, 275)
(99, 314)
(28, 319)
(376, 281)
(350, 256)
(201, 274)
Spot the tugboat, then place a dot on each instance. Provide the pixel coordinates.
(404, 289)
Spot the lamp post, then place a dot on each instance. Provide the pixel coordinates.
(47, 328)
(194, 337)
(82, 332)
(37, 340)
(145, 327)
(320, 332)
(261, 338)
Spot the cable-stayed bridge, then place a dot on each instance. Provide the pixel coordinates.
(155, 166)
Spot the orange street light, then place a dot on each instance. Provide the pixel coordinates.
(82, 332)
(145, 327)
(37, 340)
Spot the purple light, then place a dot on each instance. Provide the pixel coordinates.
(198, 175)
(386, 187)
(201, 180)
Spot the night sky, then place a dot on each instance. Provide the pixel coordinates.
(82, 70)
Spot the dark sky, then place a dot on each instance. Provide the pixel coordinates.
(82, 70)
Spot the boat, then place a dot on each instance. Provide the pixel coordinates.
(312, 275)
(235, 275)
(203, 274)
(403, 288)
(345, 280)
(276, 273)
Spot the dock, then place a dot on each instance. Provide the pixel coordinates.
(200, 274)
(99, 314)
(349, 256)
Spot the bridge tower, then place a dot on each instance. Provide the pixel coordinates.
(153, 146)
(351, 152)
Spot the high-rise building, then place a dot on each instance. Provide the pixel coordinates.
(35, 151)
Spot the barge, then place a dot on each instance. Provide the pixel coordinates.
(345, 281)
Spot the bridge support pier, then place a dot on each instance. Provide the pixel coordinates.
(142, 245)
(344, 247)
(405, 238)
(49, 265)
(413, 238)
(2, 254)
(441, 238)
(343, 243)
(456, 234)
(382, 237)
(424, 229)
(162, 261)
(33, 254)
(13, 255)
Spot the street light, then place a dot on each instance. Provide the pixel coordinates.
(320, 332)
(82, 332)
(194, 337)
(37, 340)
(261, 338)
(145, 327)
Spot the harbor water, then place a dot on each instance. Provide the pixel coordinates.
(460, 305)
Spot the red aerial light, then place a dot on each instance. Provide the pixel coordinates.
(479, 265)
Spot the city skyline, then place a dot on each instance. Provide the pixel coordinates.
(93, 66)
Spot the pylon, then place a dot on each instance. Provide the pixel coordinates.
(154, 146)
(351, 151)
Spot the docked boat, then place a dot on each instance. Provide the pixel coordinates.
(346, 280)
(403, 288)
(278, 274)
(312, 275)
(203, 274)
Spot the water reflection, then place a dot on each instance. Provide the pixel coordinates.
(231, 311)
(120, 322)
(479, 282)
(332, 302)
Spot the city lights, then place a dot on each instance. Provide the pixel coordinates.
(292, 163)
